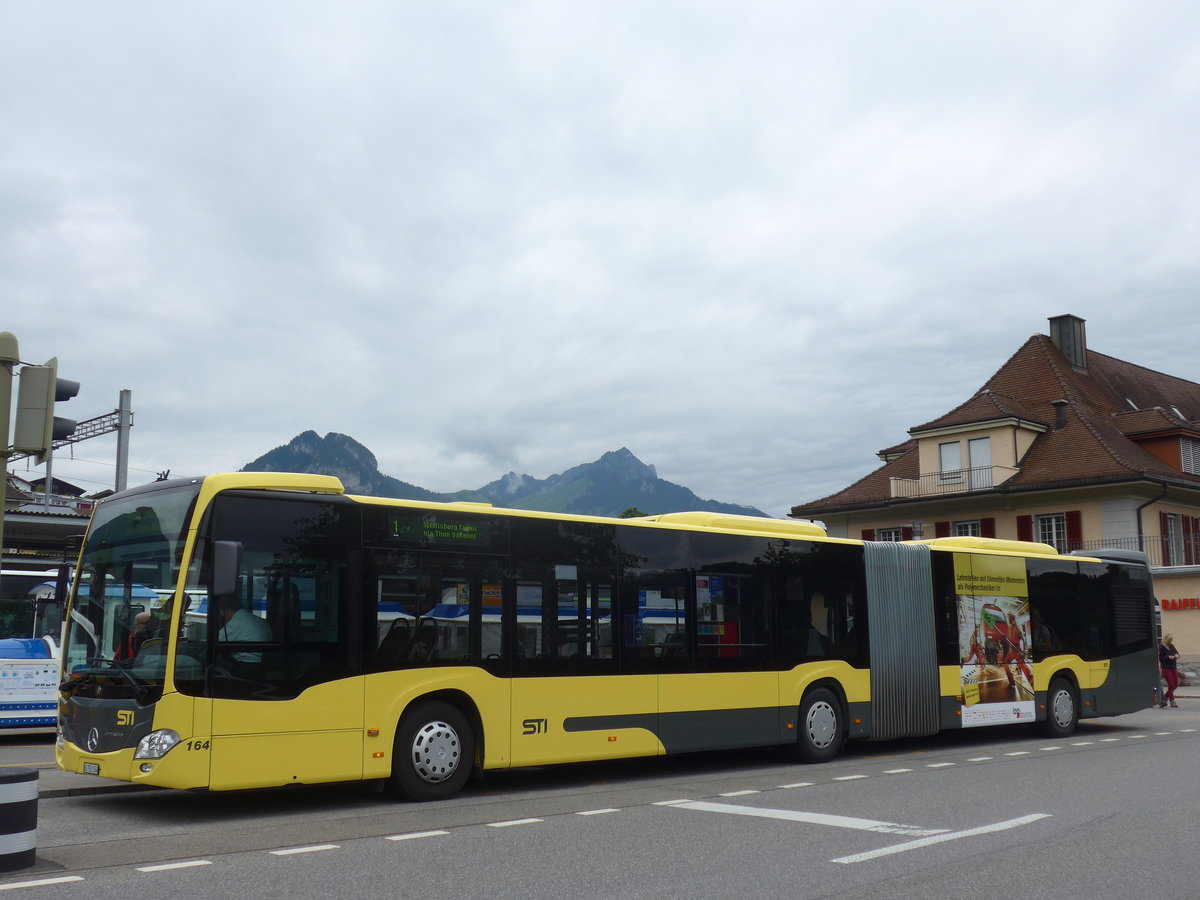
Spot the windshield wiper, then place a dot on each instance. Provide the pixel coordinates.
(101, 667)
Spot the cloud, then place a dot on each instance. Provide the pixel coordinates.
(752, 244)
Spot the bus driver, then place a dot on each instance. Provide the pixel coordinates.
(239, 625)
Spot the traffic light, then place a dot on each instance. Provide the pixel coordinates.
(36, 427)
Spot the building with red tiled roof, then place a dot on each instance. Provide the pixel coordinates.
(1062, 445)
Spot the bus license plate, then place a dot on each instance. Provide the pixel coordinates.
(91, 768)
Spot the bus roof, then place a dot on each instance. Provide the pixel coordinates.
(795, 529)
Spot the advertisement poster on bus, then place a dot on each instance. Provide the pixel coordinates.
(995, 659)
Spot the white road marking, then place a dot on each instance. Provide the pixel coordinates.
(167, 867)
(895, 771)
(1018, 753)
(939, 765)
(849, 777)
(415, 835)
(796, 785)
(597, 812)
(812, 818)
(316, 848)
(513, 822)
(937, 839)
(740, 793)
(1082, 743)
(980, 758)
(670, 802)
(42, 881)
(1049, 748)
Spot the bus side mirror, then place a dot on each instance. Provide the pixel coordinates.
(226, 563)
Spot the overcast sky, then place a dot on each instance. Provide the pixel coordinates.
(753, 242)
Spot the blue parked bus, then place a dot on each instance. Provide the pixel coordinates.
(30, 635)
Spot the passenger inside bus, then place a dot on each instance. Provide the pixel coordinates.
(137, 637)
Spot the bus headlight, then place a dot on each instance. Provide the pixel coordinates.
(156, 744)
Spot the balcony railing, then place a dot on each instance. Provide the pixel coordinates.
(1160, 551)
(957, 481)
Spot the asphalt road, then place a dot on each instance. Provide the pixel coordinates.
(978, 813)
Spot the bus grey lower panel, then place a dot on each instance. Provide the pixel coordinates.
(904, 672)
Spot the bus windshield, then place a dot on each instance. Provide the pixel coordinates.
(28, 605)
(118, 630)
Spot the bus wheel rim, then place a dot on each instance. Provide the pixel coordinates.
(1064, 708)
(436, 752)
(821, 725)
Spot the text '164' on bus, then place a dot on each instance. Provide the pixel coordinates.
(309, 636)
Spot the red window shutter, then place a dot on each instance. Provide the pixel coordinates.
(1189, 540)
(868, 534)
(1164, 530)
(1024, 528)
(941, 529)
(987, 527)
(906, 533)
(1074, 520)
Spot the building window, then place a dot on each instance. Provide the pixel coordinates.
(1052, 530)
(1190, 454)
(1181, 539)
(950, 458)
(1172, 540)
(979, 462)
(889, 534)
(967, 528)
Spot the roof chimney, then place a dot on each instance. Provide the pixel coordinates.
(1069, 336)
(1060, 413)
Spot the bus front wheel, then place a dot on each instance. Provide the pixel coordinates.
(1062, 709)
(434, 752)
(821, 727)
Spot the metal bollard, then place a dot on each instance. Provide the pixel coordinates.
(18, 818)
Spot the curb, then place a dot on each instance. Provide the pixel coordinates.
(88, 790)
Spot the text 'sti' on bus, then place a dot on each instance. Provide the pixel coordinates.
(307, 636)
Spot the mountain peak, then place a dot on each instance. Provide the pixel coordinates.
(613, 483)
(625, 462)
(339, 455)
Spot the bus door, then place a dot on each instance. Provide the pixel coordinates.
(568, 700)
(722, 690)
(283, 647)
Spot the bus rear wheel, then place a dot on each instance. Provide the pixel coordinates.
(1062, 709)
(434, 753)
(821, 727)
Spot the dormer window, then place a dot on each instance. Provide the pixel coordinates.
(950, 457)
(1189, 452)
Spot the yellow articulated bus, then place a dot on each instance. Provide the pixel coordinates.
(309, 636)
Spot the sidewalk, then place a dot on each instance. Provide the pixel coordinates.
(53, 783)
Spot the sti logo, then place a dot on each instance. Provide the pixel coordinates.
(534, 726)
(125, 717)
